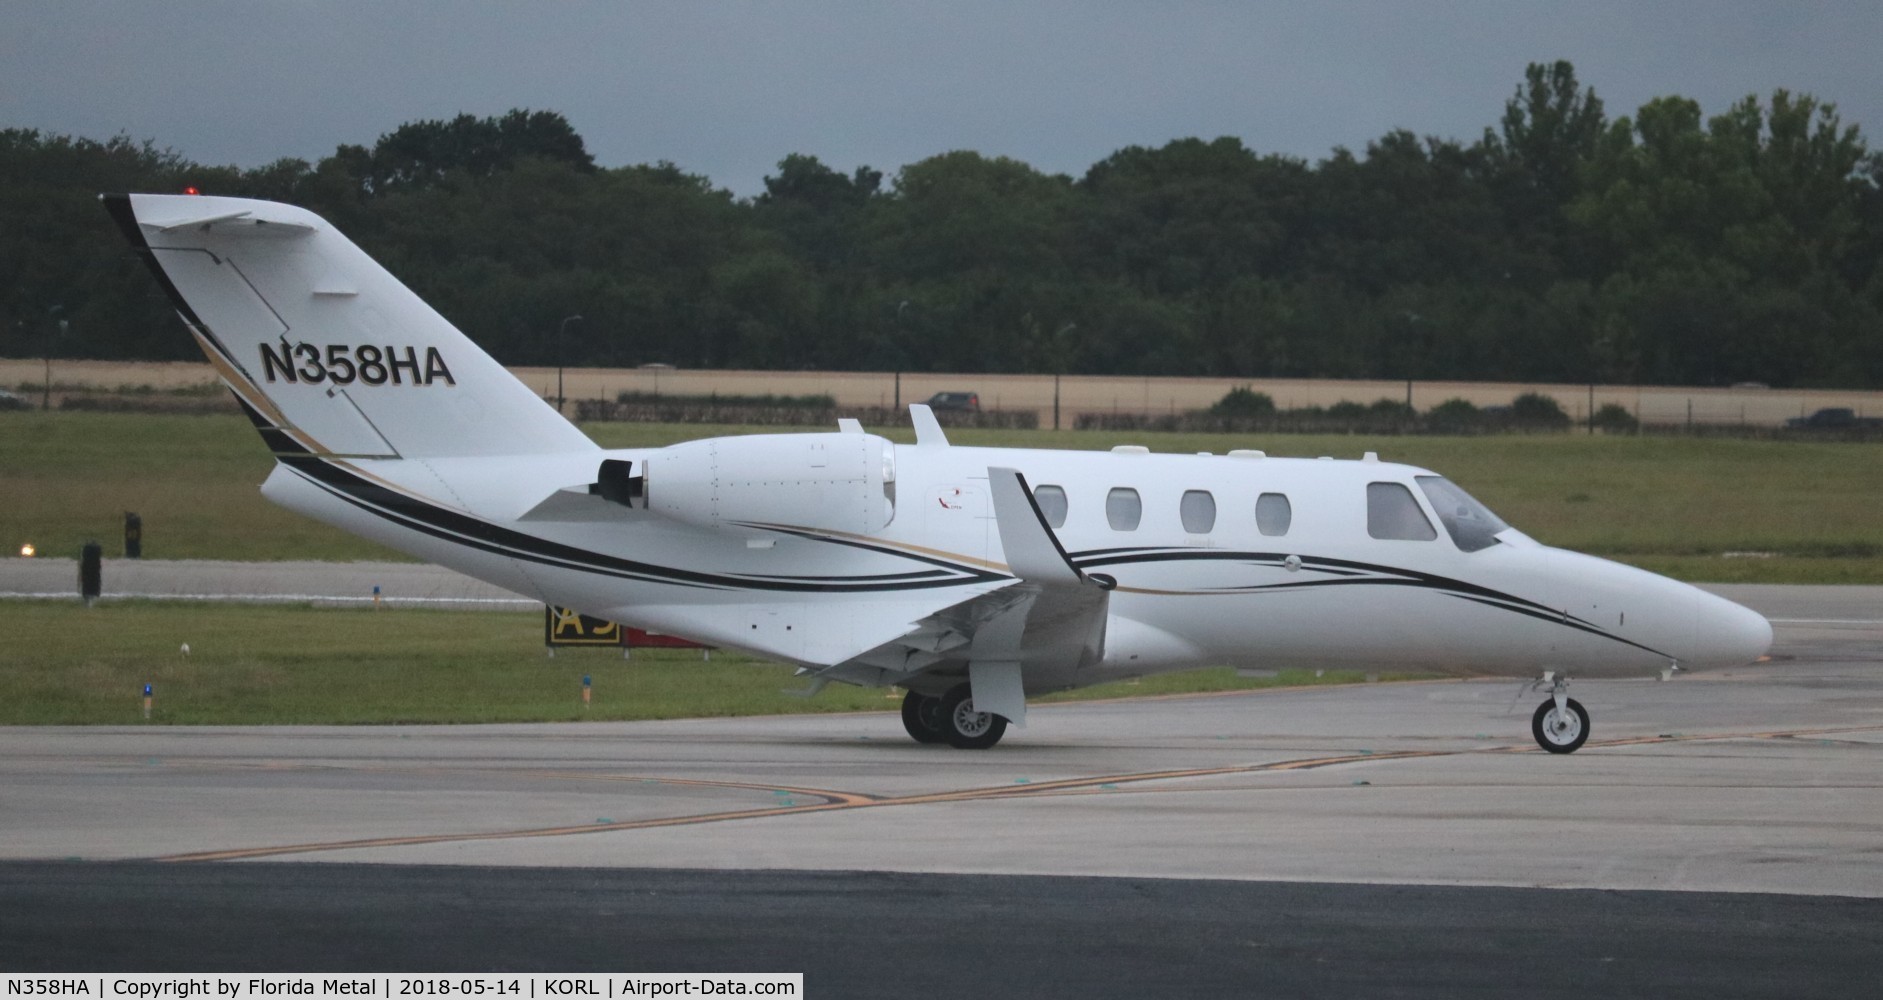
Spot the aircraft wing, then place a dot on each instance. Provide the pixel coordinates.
(1030, 637)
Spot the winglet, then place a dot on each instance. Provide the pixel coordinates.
(1033, 552)
(928, 432)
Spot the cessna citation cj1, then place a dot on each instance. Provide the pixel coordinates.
(971, 577)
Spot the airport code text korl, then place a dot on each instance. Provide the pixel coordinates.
(537, 986)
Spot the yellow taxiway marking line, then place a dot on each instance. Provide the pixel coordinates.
(834, 800)
(840, 800)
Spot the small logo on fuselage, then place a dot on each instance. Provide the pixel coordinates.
(345, 364)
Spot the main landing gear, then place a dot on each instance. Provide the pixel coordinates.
(1561, 724)
(951, 719)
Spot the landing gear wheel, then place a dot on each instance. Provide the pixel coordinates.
(1560, 732)
(922, 717)
(965, 728)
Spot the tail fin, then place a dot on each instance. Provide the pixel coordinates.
(328, 352)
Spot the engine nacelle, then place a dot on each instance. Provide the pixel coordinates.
(836, 482)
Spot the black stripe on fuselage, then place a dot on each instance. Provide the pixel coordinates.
(973, 574)
(1352, 574)
(1151, 555)
(1567, 621)
(421, 515)
(1322, 564)
(278, 440)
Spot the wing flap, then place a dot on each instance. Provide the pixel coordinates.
(817, 634)
(1030, 636)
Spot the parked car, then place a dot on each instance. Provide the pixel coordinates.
(959, 402)
(1835, 418)
(9, 401)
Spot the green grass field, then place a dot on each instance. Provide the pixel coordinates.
(64, 663)
(1809, 511)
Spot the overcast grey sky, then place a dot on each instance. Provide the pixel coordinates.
(727, 89)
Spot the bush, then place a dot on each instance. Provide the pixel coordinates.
(705, 410)
(1454, 415)
(815, 402)
(1535, 411)
(1243, 402)
(1614, 418)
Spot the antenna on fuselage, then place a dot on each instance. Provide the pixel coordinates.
(928, 432)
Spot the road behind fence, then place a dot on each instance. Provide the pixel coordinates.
(1147, 396)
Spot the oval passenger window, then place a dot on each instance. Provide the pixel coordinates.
(1123, 509)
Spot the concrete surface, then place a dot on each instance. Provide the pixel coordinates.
(874, 935)
(1759, 779)
(1404, 840)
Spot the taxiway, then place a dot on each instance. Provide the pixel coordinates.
(1749, 797)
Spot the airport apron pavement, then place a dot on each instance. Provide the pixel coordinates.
(1753, 792)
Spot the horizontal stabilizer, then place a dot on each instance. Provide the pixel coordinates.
(247, 221)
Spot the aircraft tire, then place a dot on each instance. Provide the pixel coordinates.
(1557, 738)
(922, 717)
(963, 727)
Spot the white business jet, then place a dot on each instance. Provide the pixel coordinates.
(972, 577)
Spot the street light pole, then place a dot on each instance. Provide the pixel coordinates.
(560, 331)
(45, 389)
(1059, 356)
(900, 342)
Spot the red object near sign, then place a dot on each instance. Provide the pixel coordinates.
(637, 637)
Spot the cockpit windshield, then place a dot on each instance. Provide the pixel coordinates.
(1471, 524)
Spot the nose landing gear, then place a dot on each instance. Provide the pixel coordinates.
(1561, 724)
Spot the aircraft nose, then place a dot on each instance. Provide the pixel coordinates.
(1726, 634)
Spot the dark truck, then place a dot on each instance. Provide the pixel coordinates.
(1835, 418)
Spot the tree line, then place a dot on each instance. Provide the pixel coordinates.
(1560, 245)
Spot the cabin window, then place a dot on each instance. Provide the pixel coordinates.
(1273, 513)
(1198, 510)
(1052, 501)
(1123, 509)
(1470, 523)
(1392, 513)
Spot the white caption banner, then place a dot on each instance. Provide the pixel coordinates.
(401, 986)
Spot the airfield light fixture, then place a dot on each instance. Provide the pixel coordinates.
(27, 551)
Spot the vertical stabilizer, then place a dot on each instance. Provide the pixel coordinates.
(327, 351)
